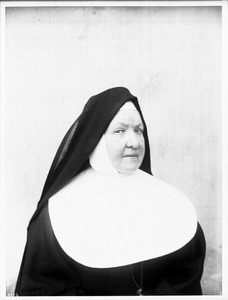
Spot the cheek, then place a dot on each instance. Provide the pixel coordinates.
(141, 151)
(143, 146)
(115, 148)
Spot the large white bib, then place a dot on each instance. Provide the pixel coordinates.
(109, 221)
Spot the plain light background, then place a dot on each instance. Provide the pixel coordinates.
(169, 57)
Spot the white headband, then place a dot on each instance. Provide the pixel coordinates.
(128, 105)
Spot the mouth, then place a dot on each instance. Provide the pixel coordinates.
(131, 155)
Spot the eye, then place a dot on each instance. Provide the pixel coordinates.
(139, 130)
(119, 130)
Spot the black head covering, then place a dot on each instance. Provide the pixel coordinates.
(81, 139)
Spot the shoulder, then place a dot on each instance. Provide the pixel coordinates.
(72, 188)
(167, 194)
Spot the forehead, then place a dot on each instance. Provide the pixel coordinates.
(127, 116)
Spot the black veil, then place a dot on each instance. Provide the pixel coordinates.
(73, 153)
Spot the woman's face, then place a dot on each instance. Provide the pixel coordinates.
(125, 141)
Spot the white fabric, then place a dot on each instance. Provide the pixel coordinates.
(128, 105)
(104, 221)
(100, 161)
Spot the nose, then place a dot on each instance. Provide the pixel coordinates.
(132, 140)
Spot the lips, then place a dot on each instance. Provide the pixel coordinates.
(131, 155)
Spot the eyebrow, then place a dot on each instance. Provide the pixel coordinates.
(125, 124)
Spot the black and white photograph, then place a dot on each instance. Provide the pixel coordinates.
(113, 149)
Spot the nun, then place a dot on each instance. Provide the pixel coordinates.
(104, 226)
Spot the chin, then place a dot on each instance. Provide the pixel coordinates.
(128, 170)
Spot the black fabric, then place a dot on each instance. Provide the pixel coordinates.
(45, 267)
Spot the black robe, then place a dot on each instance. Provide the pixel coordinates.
(50, 271)
(47, 270)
